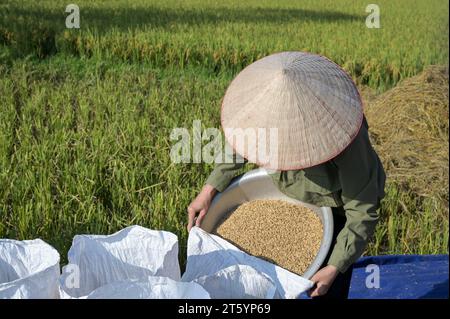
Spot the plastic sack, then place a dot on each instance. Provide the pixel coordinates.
(134, 253)
(239, 280)
(208, 255)
(28, 269)
(152, 288)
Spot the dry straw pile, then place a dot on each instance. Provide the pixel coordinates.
(286, 234)
(409, 128)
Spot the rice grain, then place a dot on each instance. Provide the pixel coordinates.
(283, 233)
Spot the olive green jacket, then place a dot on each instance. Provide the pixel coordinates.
(353, 180)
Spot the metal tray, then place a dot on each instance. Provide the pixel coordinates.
(257, 184)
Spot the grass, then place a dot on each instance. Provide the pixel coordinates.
(410, 225)
(229, 34)
(86, 114)
(70, 167)
(409, 129)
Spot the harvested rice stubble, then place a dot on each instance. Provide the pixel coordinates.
(283, 233)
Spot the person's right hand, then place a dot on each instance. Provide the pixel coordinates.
(200, 206)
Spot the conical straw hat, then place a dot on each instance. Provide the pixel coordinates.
(310, 101)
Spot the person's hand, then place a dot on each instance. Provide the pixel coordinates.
(200, 206)
(323, 279)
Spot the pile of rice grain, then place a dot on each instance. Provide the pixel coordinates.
(285, 234)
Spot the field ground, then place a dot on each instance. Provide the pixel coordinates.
(86, 114)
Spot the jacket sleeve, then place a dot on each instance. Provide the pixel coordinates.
(362, 179)
(223, 173)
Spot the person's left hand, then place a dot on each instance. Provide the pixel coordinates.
(323, 279)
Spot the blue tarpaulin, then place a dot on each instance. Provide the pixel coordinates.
(400, 277)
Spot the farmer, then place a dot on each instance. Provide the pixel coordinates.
(324, 156)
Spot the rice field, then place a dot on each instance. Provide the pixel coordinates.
(86, 114)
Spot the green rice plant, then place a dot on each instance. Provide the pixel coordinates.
(86, 115)
(231, 34)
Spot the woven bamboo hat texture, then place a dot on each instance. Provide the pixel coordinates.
(310, 101)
